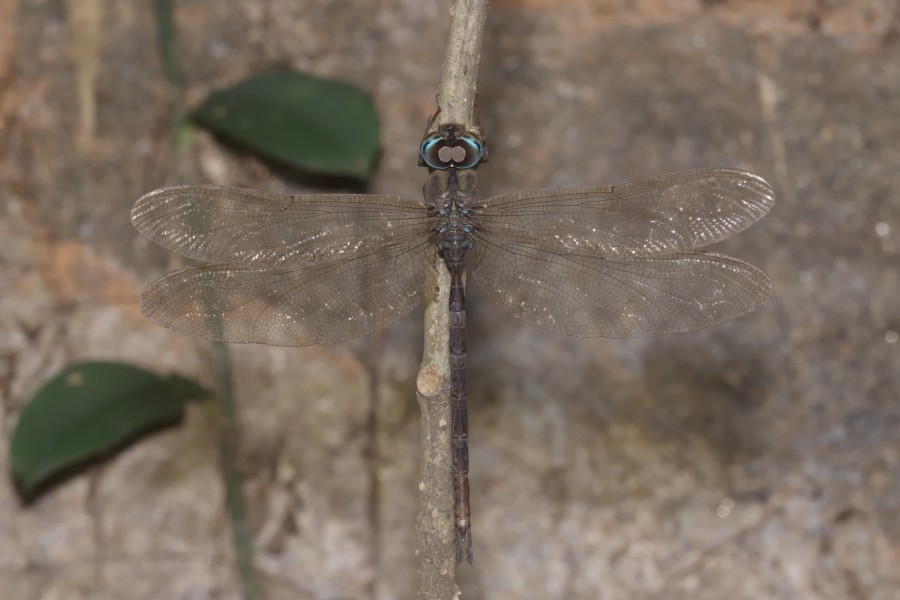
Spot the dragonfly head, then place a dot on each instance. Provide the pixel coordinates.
(451, 147)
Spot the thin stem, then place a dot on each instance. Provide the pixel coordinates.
(436, 534)
(234, 493)
(224, 407)
(167, 40)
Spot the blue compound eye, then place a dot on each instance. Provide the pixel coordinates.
(435, 151)
(445, 150)
(472, 148)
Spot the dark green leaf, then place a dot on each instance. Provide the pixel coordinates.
(187, 389)
(86, 410)
(312, 124)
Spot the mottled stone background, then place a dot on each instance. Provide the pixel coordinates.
(755, 460)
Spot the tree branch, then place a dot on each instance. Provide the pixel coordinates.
(436, 534)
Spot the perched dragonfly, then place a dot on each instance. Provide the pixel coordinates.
(607, 261)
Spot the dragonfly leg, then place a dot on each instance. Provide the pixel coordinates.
(428, 128)
(476, 114)
(431, 119)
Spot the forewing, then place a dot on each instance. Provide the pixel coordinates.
(618, 297)
(291, 303)
(224, 224)
(652, 217)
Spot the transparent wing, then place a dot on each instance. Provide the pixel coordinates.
(294, 302)
(618, 297)
(219, 224)
(652, 217)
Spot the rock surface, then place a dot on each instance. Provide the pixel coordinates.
(754, 460)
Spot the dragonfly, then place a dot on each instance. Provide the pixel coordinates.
(610, 261)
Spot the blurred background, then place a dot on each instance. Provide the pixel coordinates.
(757, 459)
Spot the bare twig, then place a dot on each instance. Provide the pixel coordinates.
(460, 72)
(436, 535)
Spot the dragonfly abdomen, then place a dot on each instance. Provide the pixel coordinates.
(453, 246)
(459, 425)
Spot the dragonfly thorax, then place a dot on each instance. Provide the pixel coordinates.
(450, 196)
